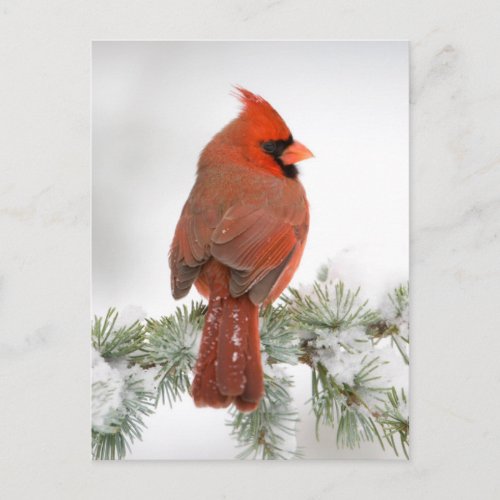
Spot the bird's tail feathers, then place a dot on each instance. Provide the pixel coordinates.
(229, 366)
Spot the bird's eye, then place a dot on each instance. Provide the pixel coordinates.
(269, 147)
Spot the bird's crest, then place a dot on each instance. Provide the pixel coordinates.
(247, 97)
(262, 115)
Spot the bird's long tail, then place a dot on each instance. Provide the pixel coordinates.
(229, 366)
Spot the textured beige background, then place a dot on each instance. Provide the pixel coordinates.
(45, 251)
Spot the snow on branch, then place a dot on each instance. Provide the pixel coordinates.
(172, 346)
(121, 399)
(350, 349)
(358, 357)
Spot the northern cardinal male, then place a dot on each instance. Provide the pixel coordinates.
(240, 239)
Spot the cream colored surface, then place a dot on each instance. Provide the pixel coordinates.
(45, 256)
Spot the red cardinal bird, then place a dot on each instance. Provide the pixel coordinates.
(240, 239)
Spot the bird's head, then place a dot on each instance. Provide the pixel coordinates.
(261, 137)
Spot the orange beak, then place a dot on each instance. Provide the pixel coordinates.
(294, 153)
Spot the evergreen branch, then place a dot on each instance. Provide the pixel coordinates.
(319, 310)
(171, 345)
(113, 342)
(278, 338)
(264, 432)
(124, 423)
(395, 326)
(400, 299)
(341, 333)
(343, 405)
(338, 338)
(119, 406)
(394, 421)
(398, 343)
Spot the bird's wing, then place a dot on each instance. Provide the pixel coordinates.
(190, 247)
(257, 243)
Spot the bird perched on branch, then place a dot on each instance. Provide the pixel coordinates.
(239, 239)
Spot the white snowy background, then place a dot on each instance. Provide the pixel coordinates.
(156, 104)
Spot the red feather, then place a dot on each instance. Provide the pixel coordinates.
(239, 239)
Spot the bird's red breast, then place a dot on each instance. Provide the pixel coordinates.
(239, 239)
